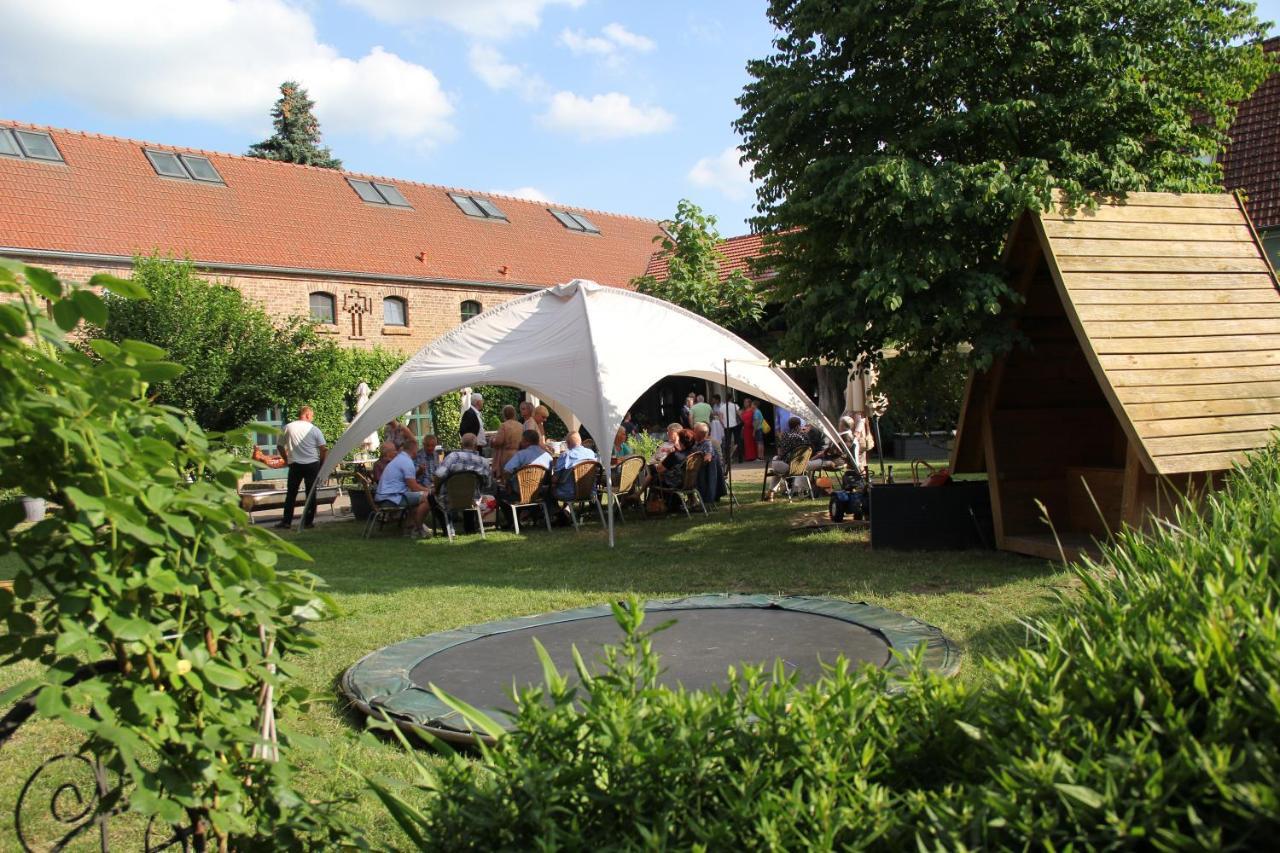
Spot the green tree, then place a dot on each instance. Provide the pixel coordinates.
(895, 142)
(297, 136)
(689, 242)
(237, 360)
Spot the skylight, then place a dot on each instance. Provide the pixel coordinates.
(28, 144)
(185, 167)
(377, 193)
(575, 221)
(477, 206)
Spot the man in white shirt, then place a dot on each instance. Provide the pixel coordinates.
(302, 446)
(728, 412)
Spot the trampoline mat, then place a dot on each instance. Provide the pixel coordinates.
(696, 650)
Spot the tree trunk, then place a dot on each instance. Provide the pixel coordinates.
(831, 384)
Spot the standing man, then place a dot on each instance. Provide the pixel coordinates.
(472, 422)
(700, 412)
(732, 428)
(302, 446)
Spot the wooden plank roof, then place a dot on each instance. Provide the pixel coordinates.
(1178, 314)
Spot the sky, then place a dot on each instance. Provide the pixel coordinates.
(619, 106)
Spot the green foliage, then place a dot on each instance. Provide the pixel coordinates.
(297, 136)
(1144, 714)
(891, 167)
(148, 566)
(495, 397)
(446, 414)
(693, 274)
(924, 389)
(337, 372)
(236, 360)
(643, 444)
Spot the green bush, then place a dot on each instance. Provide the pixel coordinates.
(149, 603)
(341, 371)
(1145, 715)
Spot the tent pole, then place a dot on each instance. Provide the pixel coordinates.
(728, 457)
(880, 446)
(608, 475)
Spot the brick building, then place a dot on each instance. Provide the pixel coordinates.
(1252, 161)
(374, 260)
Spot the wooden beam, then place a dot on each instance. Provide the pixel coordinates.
(1162, 264)
(1203, 408)
(1210, 425)
(1100, 247)
(1200, 462)
(1077, 282)
(1181, 328)
(1154, 213)
(1194, 376)
(1181, 445)
(1267, 310)
(1056, 228)
(1181, 393)
(1234, 296)
(1122, 344)
(1162, 199)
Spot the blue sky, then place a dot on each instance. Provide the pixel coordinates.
(620, 106)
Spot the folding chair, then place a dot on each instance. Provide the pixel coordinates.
(382, 511)
(529, 482)
(688, 488)
(628, 485)
(460, 489)
(797, 468)
(586, 475)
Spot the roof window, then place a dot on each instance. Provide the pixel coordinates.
(575, 221)
(477, 206)
(28, 144)
(185, 167)
(378, 193)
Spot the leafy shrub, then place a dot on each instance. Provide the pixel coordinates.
(1147, 715)
(643, 444)
(149, 571)
(340, 371)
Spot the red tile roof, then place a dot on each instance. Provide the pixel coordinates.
(107, 199)
(739, 252)
(1252, 160)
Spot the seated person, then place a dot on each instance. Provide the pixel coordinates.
(389, 451)
(466, 458)
(668, 445)
(670, 471)
(399, 485)
(620, 446)
(426, 460)
(788, 443)
(826, 454)
(531, 452)
(711, 483)
(271, 461)
(574, 452)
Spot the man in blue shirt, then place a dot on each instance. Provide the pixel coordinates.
(530, 453)
(573, 454)
(399, 485)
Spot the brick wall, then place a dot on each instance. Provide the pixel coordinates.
(432, 309)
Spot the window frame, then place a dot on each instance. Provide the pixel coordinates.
(186, 159)
(404, 311)
(333, 307)
(15, 150)
(574, 221)
(397, 201)
(483, 207)
(18, 135)
(462, 309)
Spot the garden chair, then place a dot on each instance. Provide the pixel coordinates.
(586, 476)
(382, 512)
(688, 489)
(797, 469)
(460, 489)
(628, 485)
(530, 482)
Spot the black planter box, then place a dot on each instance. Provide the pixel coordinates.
(917, 446)
(943, 518)
(360, 504)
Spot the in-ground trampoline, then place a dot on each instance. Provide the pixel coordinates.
(481, 664)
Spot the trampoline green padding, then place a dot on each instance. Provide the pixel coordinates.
(481, 664)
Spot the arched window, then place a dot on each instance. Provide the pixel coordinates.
(470, 308)
(395, 312)
(322, 307)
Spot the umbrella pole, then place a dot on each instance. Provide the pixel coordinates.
(728, 457)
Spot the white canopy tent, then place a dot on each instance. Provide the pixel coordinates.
(583, 348)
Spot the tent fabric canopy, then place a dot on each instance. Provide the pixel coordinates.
(591, 349)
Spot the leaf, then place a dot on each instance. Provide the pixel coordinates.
(44, 282)
(66, 314)
(159, 371)
(104, 347)
(13, 320)
(223, 676)
(91, 306)
(129, 629)
(971, 730)
(119, 286)
(1088, 796)
(471, 714)
(142, 350)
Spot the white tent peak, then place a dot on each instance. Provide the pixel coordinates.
(588, 351)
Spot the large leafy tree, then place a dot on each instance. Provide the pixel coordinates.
(896, 141)
(297, 136)
(689, 243)
(237, 360)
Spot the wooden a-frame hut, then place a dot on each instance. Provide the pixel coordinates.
(1153, 365)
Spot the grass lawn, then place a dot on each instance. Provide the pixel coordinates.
(393, 588)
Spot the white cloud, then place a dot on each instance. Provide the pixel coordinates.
(497, 73)
(527, 193)
(611, 46)
(724, 173)
(608, 116)
(220, 61)
(483, 19)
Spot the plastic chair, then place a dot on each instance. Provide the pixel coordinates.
(460, 490)
(797, 468)
(382, 511)
(688, 488)
(586, 475)
(529, 481)
(628, 485)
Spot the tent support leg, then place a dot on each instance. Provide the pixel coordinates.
(608, 475)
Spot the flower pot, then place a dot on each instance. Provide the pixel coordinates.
(360, 507)
(33, 507)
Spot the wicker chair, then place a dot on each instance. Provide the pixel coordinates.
(688, 489)
(586, 476)
(530, 482)
(797, 469)
(460, 489)
(628, 484)
(381, 512)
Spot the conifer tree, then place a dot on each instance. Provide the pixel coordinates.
(297, 136)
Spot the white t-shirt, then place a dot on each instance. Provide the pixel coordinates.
(302, 441)
(729, 413)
